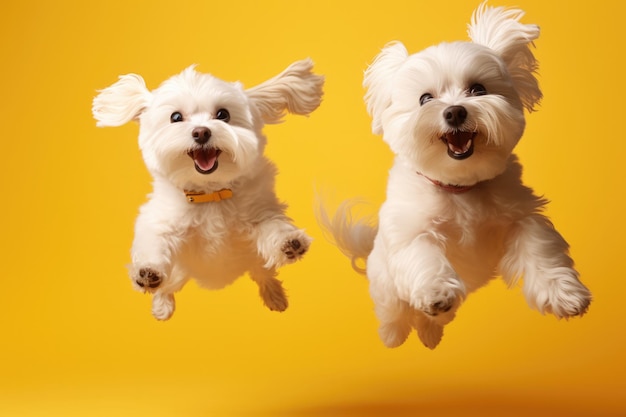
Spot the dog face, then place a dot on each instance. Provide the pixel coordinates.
(455, 114)
(197, 131)
(455, 111)
(197, 128)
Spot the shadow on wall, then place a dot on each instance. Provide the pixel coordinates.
(479, 405)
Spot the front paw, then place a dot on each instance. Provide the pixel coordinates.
(146, 278)
(292, 248)
(283, 247)
(439, 298)
(564, 296)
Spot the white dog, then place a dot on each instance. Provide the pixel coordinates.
(213, 214)
(456, 213)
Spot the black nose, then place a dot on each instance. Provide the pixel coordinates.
(201, 135)
(455, 115)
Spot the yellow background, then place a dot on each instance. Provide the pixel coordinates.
(75, 340)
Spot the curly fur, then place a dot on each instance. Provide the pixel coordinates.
(214, 142)
(457, 213)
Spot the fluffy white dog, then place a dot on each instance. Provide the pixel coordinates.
(213, 214)
(456, 213)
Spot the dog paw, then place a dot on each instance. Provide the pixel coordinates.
(429, 333)
(439, 307)
(564, 297)
(294, 249)
(163, 306)
(394, 334)
(281, 244)
(148, 279)
(275, 299)
(284, 248)
(270, 289)
(436, 304)
(436, 301)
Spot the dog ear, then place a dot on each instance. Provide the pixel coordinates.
(295, 90)
(121, 102)
(377, 80)
(500, 29)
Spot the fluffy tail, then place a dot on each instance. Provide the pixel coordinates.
(353, 237)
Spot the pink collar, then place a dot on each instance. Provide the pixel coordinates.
(451, 188)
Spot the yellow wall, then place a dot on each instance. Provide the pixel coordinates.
(76, 340)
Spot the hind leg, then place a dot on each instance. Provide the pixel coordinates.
(163, 306)
(428, 330)
(270, 289)
(397, 318)
(163, 302)
(394, 316)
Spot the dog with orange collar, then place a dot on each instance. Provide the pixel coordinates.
(213, 214)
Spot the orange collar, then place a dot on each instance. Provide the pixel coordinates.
(199, 197)
(451, 188)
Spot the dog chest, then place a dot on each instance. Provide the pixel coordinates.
(215, 256)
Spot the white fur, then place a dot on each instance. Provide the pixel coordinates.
(213, 242)
(432, 247)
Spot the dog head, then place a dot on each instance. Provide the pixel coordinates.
(455, 111)
(197, 130)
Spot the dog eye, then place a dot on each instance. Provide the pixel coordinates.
(223, 115)
(425, 98)
(176, 117)
(477, 90)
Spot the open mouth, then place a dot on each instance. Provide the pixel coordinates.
(205, 159)
(460, 144)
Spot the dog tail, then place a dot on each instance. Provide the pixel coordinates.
(353, 236)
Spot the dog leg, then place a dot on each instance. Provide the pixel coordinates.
(152, 250)
(163, 302)
(279, 243)
(163, 305)
(270, 289)
(429, 331)
(539, 254)
(426, 280)
(394, 315)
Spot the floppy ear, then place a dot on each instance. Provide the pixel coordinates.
(500, 29)
(295, 90)
(121, 102)
(378, 78)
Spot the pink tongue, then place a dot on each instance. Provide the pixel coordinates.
(205, 158)
(459, 142)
